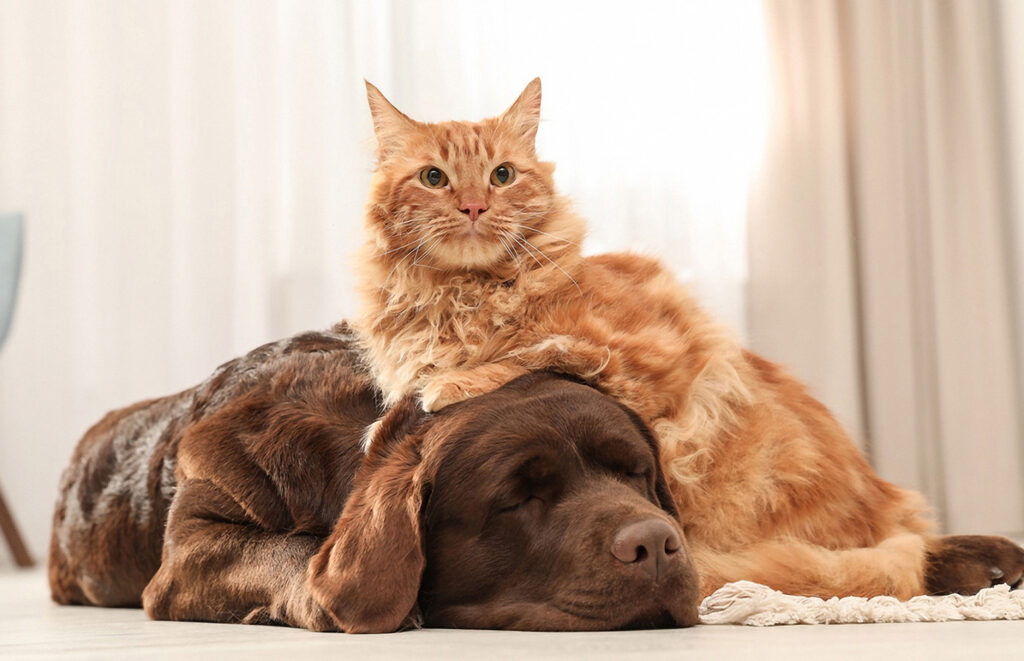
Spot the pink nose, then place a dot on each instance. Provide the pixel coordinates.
(474, 209)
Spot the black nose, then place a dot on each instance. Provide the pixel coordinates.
(651, 544)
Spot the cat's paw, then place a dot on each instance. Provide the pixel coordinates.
(964, 564)
(440, 393)
(457, 385)
(568, 354)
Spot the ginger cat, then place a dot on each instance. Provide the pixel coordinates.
(473, 275)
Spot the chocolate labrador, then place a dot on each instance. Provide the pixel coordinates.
(540, 506)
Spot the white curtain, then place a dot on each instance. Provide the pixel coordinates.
(1011, 27)
(193, 173)
(882, 252)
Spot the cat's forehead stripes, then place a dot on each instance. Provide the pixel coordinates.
(459, 140)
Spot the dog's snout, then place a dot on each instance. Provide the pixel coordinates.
(650, 544)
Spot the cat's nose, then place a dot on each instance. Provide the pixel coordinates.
(473, 209)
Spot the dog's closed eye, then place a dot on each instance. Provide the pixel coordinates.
(521, 504)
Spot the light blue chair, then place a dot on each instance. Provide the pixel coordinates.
(12, 237)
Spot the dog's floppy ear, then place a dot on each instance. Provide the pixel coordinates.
(367, 575)
(661, 490)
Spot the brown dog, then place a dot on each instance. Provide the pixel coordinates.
(539, 506)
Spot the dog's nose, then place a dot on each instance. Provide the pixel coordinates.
(652, 544)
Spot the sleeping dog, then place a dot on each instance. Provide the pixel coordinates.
(540, 506)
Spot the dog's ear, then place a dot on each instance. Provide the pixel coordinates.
(367, 575)
(661, 490)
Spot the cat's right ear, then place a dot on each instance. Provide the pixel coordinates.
(389, 124)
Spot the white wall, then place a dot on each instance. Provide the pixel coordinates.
(193, 172)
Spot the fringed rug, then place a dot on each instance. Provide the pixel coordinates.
(757, 605)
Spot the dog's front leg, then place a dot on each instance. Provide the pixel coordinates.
(220, 566)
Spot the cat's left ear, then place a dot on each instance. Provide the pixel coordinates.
(389, 123)
(523, 116)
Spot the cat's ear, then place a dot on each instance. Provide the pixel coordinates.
(389, 123)
(523, 116)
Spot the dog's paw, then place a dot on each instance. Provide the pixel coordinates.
(964, 564)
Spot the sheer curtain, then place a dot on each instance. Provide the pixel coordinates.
(193, 173)
(882, 252)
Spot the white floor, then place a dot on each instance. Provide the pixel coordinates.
(32, 627)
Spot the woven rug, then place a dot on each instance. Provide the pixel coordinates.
(757, 605)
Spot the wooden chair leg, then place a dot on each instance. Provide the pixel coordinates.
(10, 530)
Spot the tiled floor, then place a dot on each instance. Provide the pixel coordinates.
(31, 627)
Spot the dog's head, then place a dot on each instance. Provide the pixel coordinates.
(541, 506)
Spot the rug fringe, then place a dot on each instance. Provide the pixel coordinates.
(752, 604)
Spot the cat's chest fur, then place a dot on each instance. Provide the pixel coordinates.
(458, 326)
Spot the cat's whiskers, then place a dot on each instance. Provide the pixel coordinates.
(527, 249)
(553, 236)
(410, 221)
(394, 250)
(426, 219)
(426, 252)
(534, 207)
(508, 249)
(526, 244)
(416, 253)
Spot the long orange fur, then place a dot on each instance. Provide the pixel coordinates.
(769, 487)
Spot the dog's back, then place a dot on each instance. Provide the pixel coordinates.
(108, 524)
(114, 496)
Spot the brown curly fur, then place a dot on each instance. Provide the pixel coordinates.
(770, 487)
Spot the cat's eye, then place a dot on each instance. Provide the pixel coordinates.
(503, 175)
(433, 178)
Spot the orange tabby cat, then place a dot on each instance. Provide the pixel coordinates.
(473, 275)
